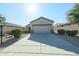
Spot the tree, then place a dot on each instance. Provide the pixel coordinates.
(2, 23)
(73, 14)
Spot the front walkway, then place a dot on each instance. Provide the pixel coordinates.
(41, 44)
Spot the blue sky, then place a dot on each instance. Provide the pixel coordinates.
(18, 13)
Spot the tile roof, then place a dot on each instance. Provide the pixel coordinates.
(13, 25)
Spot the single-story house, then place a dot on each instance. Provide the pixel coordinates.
(67, 26)
(41, 25)
(10, 26)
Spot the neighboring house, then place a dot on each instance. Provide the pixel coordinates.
(41, 25)
(67, 26)
(27, 27)
(10, 26)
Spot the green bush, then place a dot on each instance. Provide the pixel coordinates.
(61, 31)
(16, 33)
(71, 32)
(25, 31)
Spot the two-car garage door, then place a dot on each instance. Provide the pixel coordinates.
(41, 29)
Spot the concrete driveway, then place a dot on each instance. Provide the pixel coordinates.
(41, 43)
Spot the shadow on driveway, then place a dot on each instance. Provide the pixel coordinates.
(73, 40)
(54, 40)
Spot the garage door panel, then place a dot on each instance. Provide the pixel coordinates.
(41, 29)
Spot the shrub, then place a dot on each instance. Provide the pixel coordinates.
(25, 31)
(61, 31)
(16, 33)
(71, 32)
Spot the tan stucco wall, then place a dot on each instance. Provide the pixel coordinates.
(7, 29)
(68, 27)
